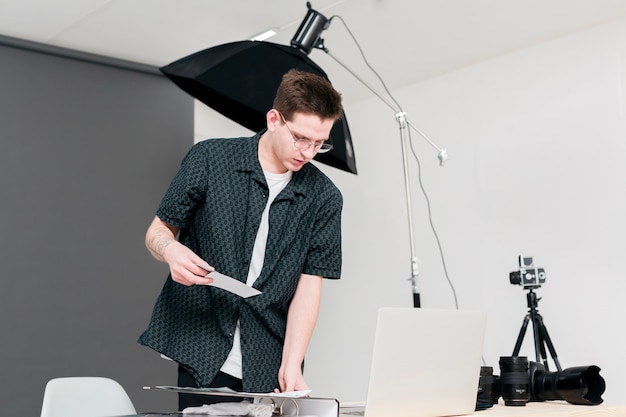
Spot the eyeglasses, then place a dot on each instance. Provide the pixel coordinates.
(304, 143)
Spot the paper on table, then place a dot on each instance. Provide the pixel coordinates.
(230, 393)
(231, 284)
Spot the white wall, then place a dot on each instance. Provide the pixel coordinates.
(537, 143)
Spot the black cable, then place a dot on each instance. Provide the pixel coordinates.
(356, 42)
(430, 219)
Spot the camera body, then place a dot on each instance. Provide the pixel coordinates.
(528, 276)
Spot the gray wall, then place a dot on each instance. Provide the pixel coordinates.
(87, 150)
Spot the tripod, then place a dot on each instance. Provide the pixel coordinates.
(542, 339)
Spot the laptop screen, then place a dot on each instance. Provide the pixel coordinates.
(425, 363)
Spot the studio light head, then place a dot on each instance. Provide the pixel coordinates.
(308, 35)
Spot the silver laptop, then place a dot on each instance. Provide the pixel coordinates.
(426, 363)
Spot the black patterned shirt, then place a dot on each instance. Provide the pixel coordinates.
(216, 200)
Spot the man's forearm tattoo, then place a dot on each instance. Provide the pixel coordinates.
(160, 241)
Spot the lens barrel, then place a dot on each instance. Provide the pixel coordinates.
(581, 385)
(515, 278)
(514, 380)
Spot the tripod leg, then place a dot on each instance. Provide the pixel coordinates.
(540, 350)
(548, 342)
(520, 337)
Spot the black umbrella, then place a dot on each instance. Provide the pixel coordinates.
(239, 80)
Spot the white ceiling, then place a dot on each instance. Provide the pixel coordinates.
(406, 41)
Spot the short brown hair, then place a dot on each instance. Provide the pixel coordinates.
(305, 92)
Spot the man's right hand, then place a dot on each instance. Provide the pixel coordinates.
(183, 262)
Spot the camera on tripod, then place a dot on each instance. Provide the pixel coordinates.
(528, 275)
(521, 380)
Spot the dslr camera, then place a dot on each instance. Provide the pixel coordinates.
(522, 381)
(528, 276)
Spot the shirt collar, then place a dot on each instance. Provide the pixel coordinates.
(249, 162)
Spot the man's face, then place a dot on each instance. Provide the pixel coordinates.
(298, 140)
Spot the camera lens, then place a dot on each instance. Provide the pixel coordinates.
(581, 385)
(514, 380)
(515, 278)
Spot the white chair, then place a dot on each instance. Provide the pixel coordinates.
(85, 397)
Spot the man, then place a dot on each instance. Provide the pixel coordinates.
(256, 210)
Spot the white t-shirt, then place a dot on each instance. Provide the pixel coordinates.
(276, 183)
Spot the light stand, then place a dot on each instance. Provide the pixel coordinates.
(308, 37)
(402, 122)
